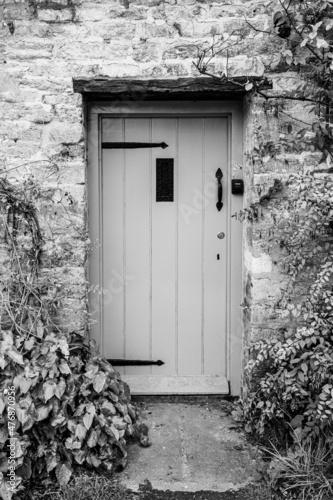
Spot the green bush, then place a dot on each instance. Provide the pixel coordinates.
(71, 408)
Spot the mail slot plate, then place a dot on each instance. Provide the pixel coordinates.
(164, 179)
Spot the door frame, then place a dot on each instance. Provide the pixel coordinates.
(233, 111)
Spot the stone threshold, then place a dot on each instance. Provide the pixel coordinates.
(181, 385)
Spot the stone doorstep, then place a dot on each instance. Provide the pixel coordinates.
(186, 385)
(193, 449)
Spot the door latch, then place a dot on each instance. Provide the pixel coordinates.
(219, 176)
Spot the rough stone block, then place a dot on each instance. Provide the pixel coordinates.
(117, 31)
(205, 28)
(116, 70)
(257, 265)
(17, 11)
(151, 71)
(182, 51)
(55, 16)
(66, 113)
(90, 11)
(265, 289)
(176, 69)
(62, 132)
(147, 31)
(145, 52)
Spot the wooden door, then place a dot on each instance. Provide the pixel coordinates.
(165, 252)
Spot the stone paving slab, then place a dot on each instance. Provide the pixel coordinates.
(193, 449)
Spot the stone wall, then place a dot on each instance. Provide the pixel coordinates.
(54, 41)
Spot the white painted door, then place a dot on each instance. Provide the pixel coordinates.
(165, 273)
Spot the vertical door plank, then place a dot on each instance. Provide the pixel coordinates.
(190, 246)
(215, 271)
(138, 227)
(163, 255)
(112, 243)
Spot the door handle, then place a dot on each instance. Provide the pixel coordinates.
(219, 176)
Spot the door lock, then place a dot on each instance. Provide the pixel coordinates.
(220, 235)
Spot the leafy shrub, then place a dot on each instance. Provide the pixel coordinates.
(297, 391)
(71, 408)
(292, 376)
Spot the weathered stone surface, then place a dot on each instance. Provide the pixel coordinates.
(145, 52)
(258, 265)
(55, 16)
(62, 132)
(226, 463)
(182, 51)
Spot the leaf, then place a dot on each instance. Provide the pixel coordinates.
(296, 421)
(25, 469)
(93, 438)
(60, 388)
(49, 389)
(40, 328)
(322, 44)
(64, 368)
(80, 431)
(89, 417)
(42, 412)
(304, 367)
(63, 344)
(5, 494)
(71, 425)
(329, 24)
(94, 461)
(115, 386)
(92, 369)
(15, 355)
(58, 420)
(3, 434)
(24, 384)
(99, 381)
(22, 414)
(113, 430)
(49, 359)
(79, 456)
(51, 460)
(118, 422)
(289, 56)
(63, 472)
(8, 339)
(28, 344)
(248, 86)
(108, 409)
(28, 423)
